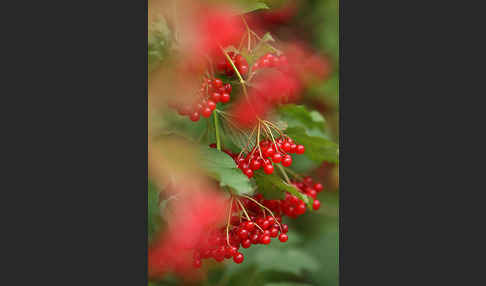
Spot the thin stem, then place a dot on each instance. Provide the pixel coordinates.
(242, 81)
(264, 207)
(284, 173)
(271, 135)
(247, 216)
(216, 127)
(258, 141)
(274, 127)
(294, 174)
(229, 218)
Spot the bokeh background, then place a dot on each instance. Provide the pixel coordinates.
(311, 256)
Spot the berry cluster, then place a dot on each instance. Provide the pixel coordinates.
(268, 152)
(224, 65)
(211, 92)
(291, 206)
(270, 60)
(309, 187)
(260, 229)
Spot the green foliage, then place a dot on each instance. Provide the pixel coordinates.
(275, 263)
(221, 167)
(263, 47)
(273, 187)
(269, 185)
(300, 116)
(250, 6)
(308, 128)
(289, 260)
(153, 211)
(159, 42)
(317, 149)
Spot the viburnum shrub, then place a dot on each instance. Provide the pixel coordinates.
(242, 98)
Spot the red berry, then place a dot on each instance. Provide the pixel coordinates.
(255, 164)
(217, 83)
(273, 232)
(243, 69)
(277, 157)
(286, 146)
(197, 263)
(285, 228)
(293, 148)
(212, 105)
(225, 97)
(268, 169)
(300, 149)
(255, 238)
(316, 205)
(271, 220)
(287, 161)
(250, 226)
(194, 116)
(265, 62)
(300, 209)
(318, 187)
(283, 237)
(265, 239)
(265, 224)
(238, 258)
(312, 193)
(308, 180)
(206, 112)
(227, 88)
(246, 243)
(269, 152)
(243, 233)
(248, 172)
(216, 97)
(233, 250)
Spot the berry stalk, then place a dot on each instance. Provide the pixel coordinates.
(216, 128)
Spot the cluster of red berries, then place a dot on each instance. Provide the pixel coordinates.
(278, 152)
(224, 65)
(225, 243)
(260, 229)
(309, 187)
(270, 60)
(212, 91)
(292, 206)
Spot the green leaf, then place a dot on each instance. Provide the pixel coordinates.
(153, 211)
(300, 116)
(269, 185)
(268, 37)
(273, 187)
(221, 167)
(248, 7)
(317, 149)
(286, 260)
(159, 42)
(260, 50)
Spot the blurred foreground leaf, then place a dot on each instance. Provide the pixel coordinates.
(153, 211)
